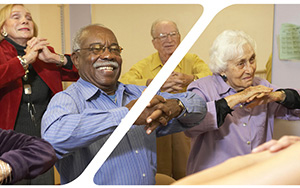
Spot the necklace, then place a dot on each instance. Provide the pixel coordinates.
(28, 92)
(25, 77)
(26, 83)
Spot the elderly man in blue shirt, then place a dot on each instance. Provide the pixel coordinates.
(79, 120)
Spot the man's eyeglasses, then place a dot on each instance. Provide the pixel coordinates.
(164, 36)
(99, 49)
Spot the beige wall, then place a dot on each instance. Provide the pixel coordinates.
(131, 24)
(256, 20)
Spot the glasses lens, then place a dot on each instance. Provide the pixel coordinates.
(97, 48)
(173, 34)
(115, 49)
(164, 36)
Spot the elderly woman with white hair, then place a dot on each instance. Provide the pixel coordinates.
(241, 107)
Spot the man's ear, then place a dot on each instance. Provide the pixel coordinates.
(2, 28)
(154, 43)
(75, 59)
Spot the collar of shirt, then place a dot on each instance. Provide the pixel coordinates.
(157, 62)
(89, 90)
(223, 88)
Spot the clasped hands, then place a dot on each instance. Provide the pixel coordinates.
(37, 48)
(176, 82)
(157, 113)
(254, 96)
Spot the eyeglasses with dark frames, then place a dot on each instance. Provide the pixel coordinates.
(99, 49)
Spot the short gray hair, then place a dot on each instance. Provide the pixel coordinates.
(228, 46)
(77, 38)
(160, 21)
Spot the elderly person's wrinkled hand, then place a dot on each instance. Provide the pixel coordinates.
(157, 113)
(185, 78)
(177, 82)
(163, 113)
(38, 48)
(47, 56)
(276, 96)
(253, 92)
(172, 85)
(248, 95)
(34, 46)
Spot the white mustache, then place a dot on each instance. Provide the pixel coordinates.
(106, 64)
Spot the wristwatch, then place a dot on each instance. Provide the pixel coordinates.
(61, 59)
(180, 104)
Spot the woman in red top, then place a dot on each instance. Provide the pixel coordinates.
(31, 72)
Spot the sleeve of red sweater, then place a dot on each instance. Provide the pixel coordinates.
(28, 156)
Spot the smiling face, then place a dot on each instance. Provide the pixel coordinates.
(240, 71)
(19, 25)
(167, 46)
(101, 69)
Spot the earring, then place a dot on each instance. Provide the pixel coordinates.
(224, 77)
(3, 33)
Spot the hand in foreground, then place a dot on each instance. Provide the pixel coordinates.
(158, 112)
(161, 117)
(277, 145)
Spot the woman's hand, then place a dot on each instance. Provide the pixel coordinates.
(264, 99)
(48, 57)
(256, 92)
(248, 95)
(34, 46)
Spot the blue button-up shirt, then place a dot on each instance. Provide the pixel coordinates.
(80, 119)
(242, 131)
